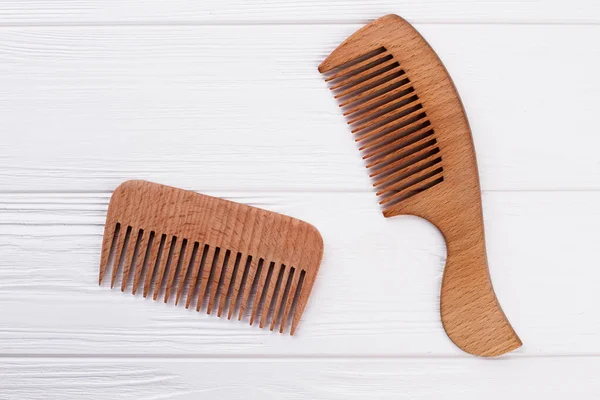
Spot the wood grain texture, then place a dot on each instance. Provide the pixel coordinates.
(201, 232)
(117, 103)
(23, 12)
(50, 304)
(328, 379)
(411, 127)
(90, 104)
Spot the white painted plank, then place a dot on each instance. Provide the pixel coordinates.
(244, 108)
(24, 12)
(344, 379)
(542, 249)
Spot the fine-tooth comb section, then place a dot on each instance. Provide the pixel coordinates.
(413, 134)
(389, 123)
(210, 254)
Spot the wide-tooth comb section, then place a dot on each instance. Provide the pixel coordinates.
(225, 257)
(390, 124)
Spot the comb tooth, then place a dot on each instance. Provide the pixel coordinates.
(426, 176)
(274, 287)
(365, 74)
(256, 241)
(281, 237)
(292, 240)
(266, 246)
(424, 158)
(118, 256)
(381, 78)
(176, 261)
(139, 263)
(108, 243)
(384, 104)
(157, 245)
(290, 298)
(401, 148)
(163, 264)
(396, 91)
(298, 298)
(199, 267)
(282, 295)
(413, 154)
(375, 91)
(191, 250)
(253, 270)
(230, 275)
(401, 134)
(420, 174)
(220, 264)
(393, 120)
(264, 280)
(295, 259)
(129, 257)
(305, 283)
(239, 284)
(366, 61)
(207, 275)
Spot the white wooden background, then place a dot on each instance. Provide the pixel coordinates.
(224, 97)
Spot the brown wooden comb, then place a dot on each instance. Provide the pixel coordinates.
(411, 127)
(218, 251)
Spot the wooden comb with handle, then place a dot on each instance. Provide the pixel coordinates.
(412, 130)
(218, 251)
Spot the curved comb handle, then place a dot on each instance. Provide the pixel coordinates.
(412, 130)
(471, 314)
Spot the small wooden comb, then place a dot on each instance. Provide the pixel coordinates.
(411, 127)
(215, 250)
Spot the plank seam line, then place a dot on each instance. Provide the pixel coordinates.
(278, 357)
(232, 23)
(243, 192)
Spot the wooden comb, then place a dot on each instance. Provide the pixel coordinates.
(217, 251)
(412, 130)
